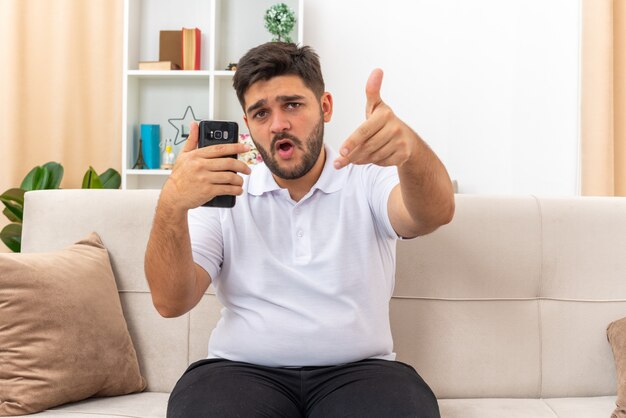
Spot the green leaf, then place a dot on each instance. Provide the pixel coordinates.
(111, 179)
(11, 235)
(32, 179)
(13, 199)
(91, 180)
(55, 171)
(11, 216)
(15, 195)
(16, 211)
(41, 184)
(47, 176)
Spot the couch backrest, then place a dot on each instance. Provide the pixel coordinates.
(511, 299)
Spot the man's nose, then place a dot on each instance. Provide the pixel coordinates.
(279, 123)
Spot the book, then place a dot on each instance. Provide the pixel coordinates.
(191, 49)
(158, 65)
(169, 47)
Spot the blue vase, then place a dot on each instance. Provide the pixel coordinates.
(150, 145)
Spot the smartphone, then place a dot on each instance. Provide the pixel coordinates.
(214, 132)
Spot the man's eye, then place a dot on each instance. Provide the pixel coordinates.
(293, 105)
(260, 114)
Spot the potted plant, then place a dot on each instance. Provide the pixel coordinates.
(44, 177)
(279, 21)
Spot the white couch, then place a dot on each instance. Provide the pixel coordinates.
(503, 311)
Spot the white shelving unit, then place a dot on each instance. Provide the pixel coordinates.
(229, 28)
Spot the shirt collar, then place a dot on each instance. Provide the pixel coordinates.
(331, 180)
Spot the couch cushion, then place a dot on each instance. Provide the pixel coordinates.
(138, 405)
(590, 407)
(154, 405)
(583, 245)
(494, 408)
(595, 407)
(577, 358)
(470, 348)
(490, 251)
(62, 331)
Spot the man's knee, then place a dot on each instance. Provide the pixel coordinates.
(225, 389)
(378, 388)
(419, 397)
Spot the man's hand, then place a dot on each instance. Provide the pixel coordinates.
(424, 199)
(383, 139)
(200, 174)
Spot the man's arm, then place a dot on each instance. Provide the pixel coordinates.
(176, 282)
(424, 199)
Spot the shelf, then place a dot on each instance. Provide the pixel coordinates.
(178, 74)
(171, 74)
(161, 97)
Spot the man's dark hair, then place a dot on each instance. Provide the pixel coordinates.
(274, 59)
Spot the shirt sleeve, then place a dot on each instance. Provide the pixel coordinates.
(379, 182)
(207, 245)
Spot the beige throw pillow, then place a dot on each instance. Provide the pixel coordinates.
(63, 337)
(616, 333)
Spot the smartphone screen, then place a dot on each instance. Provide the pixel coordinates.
(214, 132)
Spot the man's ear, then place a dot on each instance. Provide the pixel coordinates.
(327, 106)
(245, 119)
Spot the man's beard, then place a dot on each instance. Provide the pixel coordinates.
(311, 153)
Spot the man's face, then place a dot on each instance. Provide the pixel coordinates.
(286, 123)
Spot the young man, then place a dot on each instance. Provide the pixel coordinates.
(304, 262)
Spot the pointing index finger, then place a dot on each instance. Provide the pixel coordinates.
(362, 134)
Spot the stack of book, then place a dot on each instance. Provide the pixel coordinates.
(178, 50)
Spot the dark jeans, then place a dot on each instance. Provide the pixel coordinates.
(369, 388)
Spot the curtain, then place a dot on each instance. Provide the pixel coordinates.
(603, 98)
(60, 87)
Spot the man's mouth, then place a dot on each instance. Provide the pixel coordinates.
(284, 148)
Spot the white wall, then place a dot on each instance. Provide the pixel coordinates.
(491, 85)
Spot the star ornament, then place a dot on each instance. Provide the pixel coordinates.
(181, 124)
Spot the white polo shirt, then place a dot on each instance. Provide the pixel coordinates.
(303, 283)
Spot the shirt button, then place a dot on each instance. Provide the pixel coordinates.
(300, 234)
